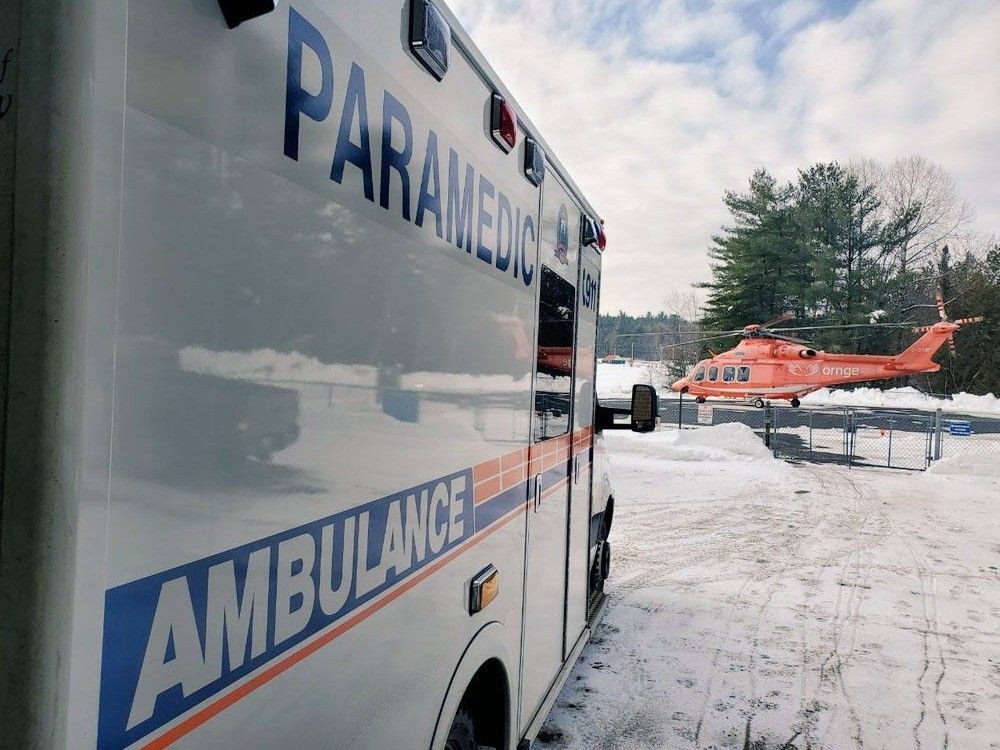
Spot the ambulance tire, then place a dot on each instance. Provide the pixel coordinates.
(605, 560)
(462, 735)
(596, 579)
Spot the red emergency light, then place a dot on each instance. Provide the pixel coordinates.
(602, 238)
(503, 124)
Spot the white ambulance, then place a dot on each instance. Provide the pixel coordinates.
(301, 448)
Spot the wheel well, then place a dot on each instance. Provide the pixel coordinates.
(487, 699)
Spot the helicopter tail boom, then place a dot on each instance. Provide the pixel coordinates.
(918, 357)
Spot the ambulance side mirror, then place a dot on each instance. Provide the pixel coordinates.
(642, 413)
(645, 408)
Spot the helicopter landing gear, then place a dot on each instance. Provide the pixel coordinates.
(700, 399)
(759, 402)
(796, 403)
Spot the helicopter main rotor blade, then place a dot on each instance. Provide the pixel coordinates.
(904, 324)
(779, 337)
(780, 319)
(697, 341)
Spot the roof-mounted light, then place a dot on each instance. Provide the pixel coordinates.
(503, 123)
(534, 162)
(602, 237)
(589, 232)
(430, 37)
(237, 11)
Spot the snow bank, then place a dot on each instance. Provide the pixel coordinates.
(905, 398)
(728, 442)
(967, 465)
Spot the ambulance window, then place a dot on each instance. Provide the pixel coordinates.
(744, 375)
(713, 373)
(700, 375)
(728, 374)
(554, 356)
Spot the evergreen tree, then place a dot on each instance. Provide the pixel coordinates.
(754, 258)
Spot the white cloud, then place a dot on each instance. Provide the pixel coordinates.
(682, 101)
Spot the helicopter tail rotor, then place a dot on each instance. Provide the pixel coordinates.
(943, 316)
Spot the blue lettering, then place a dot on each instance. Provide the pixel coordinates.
(517, 242)
(527, 272)
(298, 101)
(460, 206)
(174, 639)
(589, 291)
(504, 219)
(393, 110)
(485, 219)
(358, 154)
(428, 201)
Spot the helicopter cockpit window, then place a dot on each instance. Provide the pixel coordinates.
(728, 374)
(713, 373)
(743, 375)
(700, 375)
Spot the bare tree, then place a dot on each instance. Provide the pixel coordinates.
(914, 184)
(676, 353)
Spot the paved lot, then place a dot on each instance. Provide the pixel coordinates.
(756, 604)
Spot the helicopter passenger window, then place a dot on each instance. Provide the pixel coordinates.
(743, 375)
(700, 375)
(728, 374)
(713, 373)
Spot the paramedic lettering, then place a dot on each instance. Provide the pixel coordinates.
(175, 638)
(470, 213)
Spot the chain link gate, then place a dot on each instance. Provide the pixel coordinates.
(852, 437)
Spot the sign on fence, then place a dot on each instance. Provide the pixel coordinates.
(960, 429)
(706, 414)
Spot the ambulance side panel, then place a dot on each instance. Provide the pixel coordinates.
(271, 350)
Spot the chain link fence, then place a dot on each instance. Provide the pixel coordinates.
(851, 436)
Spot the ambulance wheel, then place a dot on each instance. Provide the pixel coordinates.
(700, 399)
(605, 560)
(596, 572)
(462, 735)
(796, 403)
(759, 402)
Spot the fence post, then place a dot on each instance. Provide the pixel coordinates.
(888, 462)
(680, 411)
(850, 437)
(938, 424)
(929, 443)
(810, 436)
(768, 443)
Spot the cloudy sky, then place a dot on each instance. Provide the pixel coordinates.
(657, 107)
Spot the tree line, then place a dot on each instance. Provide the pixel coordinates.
(841, 245)
(862, 243)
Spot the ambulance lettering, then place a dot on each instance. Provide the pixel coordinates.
(469, 211)
(589, 291)
(176, 638)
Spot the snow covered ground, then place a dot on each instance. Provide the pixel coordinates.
(904, 398)
(756, 604)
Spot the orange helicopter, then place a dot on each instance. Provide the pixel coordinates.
(767, 364)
